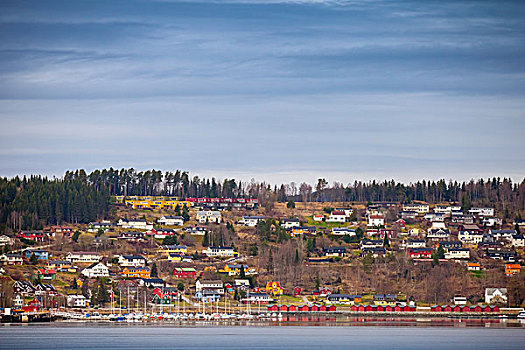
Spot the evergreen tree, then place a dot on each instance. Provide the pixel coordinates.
(242, 274)
(440, 252)
(75, 236)
(102, 295)
(33, 259)
(205, 240)
(154, 270)
(185, 214)
(386, 242)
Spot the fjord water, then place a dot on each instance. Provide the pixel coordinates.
(89, 336)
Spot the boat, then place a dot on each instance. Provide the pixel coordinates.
(521, 315)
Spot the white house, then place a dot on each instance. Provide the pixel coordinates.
(18, 301)
(210, 216)
(457, 253)
(11, 259)
(446, 208)
(131, 261)
(77, 301)
(418, 207)
(5, 240)
(470, 237)
(171, 220)
(96, 226)
(438, 224)
(318, 218)
(376, 220)
(482, 211)
(337, 216)
(343, 231)
(83, 257)
(518, 240)
(289, 223)
(223, 252)
(416, 243)
(438, 234)
(460, 300)
(490, 221)
(503, 234)
(251, 221)
(257, 298)
(434, 216)
(96, 270)
(136, 224)
(495, 295)
(348, 211)
(215, 285)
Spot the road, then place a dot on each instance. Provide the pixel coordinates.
(30, 248)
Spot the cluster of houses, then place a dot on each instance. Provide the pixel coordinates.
(419, 231)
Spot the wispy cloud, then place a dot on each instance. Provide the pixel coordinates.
(262, 87)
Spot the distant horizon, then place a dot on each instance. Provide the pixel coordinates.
(273, 178)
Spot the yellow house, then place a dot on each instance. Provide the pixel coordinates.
(136, 272)
(233, 269)
(173, 257)
(179, 249)
(274, 288)
(149, 203)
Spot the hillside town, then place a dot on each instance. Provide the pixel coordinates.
(166, 253)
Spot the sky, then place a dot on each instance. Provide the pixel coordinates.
(274, 90)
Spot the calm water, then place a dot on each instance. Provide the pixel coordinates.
(104, 336)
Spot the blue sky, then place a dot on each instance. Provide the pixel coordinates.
(272, 90)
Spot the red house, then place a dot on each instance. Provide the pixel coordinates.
(184, 272)
(36, 236)
(400, 222)
(495, 308)
(314, 308)
(380, 308)
(476, 308)
(369, 308)
(465, 309)
(273, 308)
(407, 308)
(292, 308)
(361, 308)
(353, 308)
(436, 308)
(487, 309)
(389, 308)
(283, 308)
(447, 308)
(297, 291)
(322, 308)
(29, 308)
(425, 253)
(304, 308)
(332, 308)
(456, 308)
(398, 308)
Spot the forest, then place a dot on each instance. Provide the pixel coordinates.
(31, 203)
(500, 193)
(79, 197)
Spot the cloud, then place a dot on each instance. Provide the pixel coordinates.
(264, 87)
